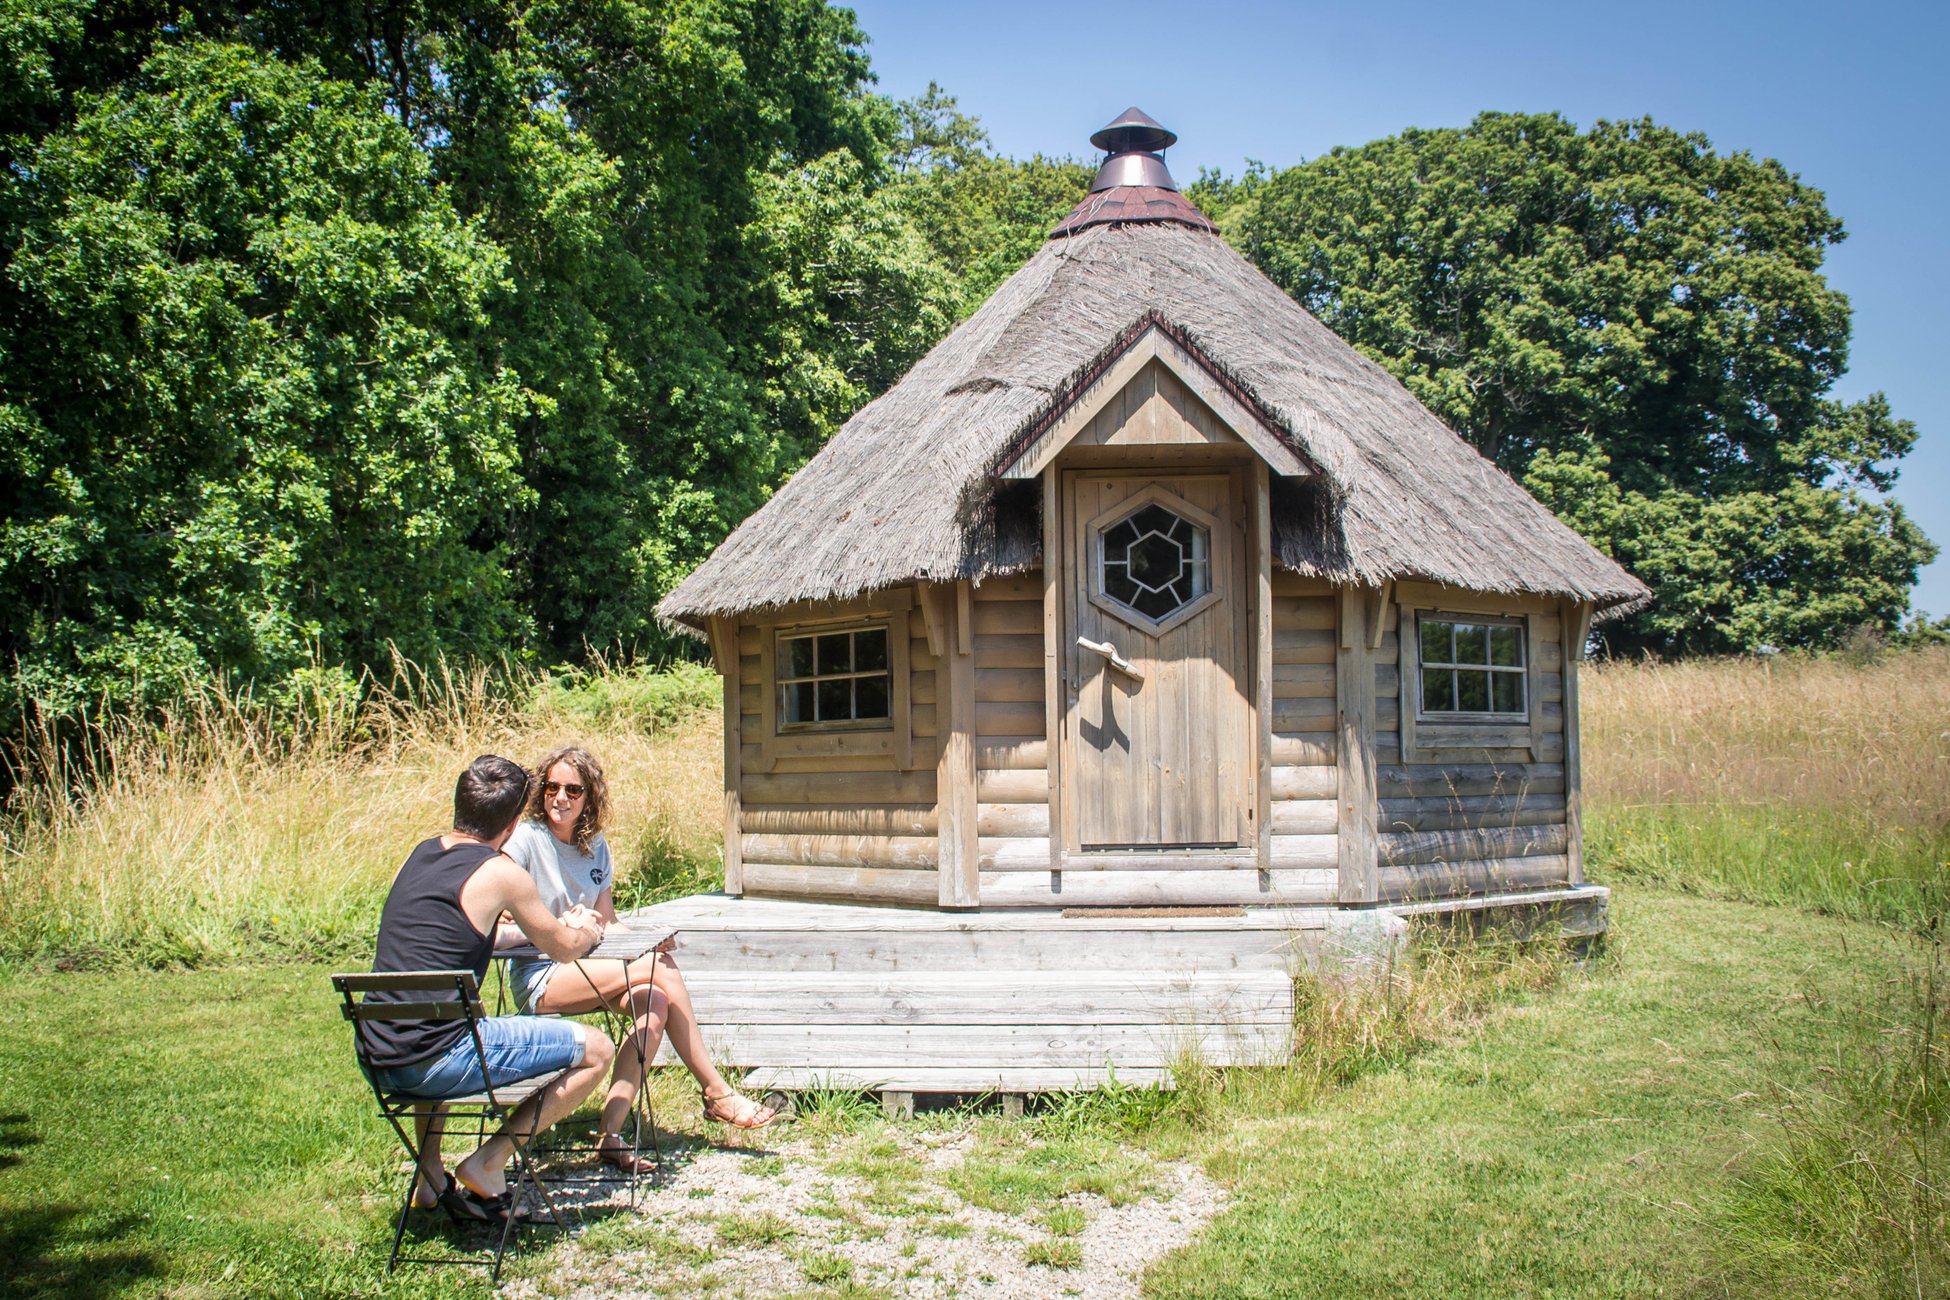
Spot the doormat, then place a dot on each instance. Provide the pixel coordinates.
(1148, 913)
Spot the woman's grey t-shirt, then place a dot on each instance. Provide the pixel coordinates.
(564, 875)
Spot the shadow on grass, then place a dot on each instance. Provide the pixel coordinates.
(48, 1251)
(93, 1261)
(15, 1137)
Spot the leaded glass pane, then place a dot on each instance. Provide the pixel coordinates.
(1156, 561)
(870, 698)
(1436, 641)
(799, 657)
(835, 654)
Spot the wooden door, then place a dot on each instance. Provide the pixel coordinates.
(1156, 738)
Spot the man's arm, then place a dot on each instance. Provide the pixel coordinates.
(502, 886)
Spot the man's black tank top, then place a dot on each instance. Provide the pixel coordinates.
(422, 927)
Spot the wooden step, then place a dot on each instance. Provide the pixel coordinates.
(1005, 1079)
(991, 997)
(985, 1020)
(885, 1047)
(763, 934)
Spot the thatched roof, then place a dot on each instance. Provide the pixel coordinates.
(907, 489)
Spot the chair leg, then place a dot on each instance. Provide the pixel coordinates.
(405, 1208)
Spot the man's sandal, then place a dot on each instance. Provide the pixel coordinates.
(737, 1110)
(464, 1204)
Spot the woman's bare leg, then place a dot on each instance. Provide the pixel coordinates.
(686, 1039)
(609, 986)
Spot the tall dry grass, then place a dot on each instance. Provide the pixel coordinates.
(1792, 779)
(218, 829)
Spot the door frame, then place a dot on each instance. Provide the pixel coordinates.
(1250, 559)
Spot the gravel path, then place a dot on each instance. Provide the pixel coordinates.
(877, 1214)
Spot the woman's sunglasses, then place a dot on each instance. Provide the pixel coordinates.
(552, 788)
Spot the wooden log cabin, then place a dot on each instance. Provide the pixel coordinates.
(1144, 590)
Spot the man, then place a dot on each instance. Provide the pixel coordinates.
(442, 914)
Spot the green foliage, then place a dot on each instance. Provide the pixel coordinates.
(465, 330)
(1849, 1184)
(1638, 324)
(640, 697)
(250, 417)
(981, 216)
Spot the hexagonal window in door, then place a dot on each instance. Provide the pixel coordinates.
(1155, 561)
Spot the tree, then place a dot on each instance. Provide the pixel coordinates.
(247, 413)
(1639, 325)
(456, 327)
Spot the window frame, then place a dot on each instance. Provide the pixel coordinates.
(1218, 560)
(877, 744)
(1448, 738)
(1521, 670)
(781, 681)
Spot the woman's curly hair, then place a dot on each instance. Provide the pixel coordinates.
(595, 791)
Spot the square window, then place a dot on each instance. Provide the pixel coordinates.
(836, 678)
(1471, 668)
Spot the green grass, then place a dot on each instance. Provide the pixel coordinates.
(1591, 1142)
(1843, 863)
(203, 1133)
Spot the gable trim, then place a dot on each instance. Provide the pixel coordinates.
(1151, 338)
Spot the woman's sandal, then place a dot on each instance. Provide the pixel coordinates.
(737, 1110)
(623, 1156)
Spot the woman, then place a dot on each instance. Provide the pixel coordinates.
(561, 845)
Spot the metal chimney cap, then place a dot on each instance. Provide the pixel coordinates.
(1133, 130)
(1133, 169)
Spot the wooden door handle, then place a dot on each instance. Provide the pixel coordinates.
(1109, 652)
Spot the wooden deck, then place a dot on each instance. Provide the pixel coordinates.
(1027, 1000)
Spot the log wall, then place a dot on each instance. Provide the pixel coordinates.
(1464, 820)
(834, 824)
(1304, 742)
(1012, 758)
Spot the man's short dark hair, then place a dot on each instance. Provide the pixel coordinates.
(489, 796)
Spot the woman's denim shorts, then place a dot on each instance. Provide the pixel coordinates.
(516, 1047)
(527, 977)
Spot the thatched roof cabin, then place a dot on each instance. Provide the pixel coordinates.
(1140, 578)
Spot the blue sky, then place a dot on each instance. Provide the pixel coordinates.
(1853, 98)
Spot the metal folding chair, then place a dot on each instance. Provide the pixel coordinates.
(447, 995)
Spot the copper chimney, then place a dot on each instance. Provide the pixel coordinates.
(1134, 142)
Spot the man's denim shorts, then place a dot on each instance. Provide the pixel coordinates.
(516, 1047)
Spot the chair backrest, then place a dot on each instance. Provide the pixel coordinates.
(356, 990)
